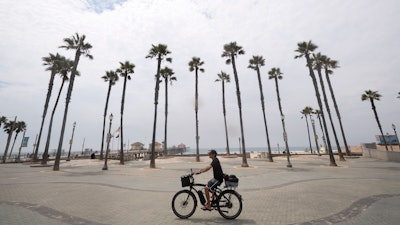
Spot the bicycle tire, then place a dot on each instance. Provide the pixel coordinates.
(184, 204)
(229, 204)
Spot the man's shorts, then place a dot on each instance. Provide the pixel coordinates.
(213, 184)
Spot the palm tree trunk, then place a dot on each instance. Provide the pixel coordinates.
(46, 105)
(244, 159)
(7, 146)
(341, 158)
(308, 131)
(379, 124)
(264, 116)
(12, 146)
(152, 157)
(348, 153)
(67, 100)
(45, 156)
(104, 119)
(283, 123)
(315, 135)
(8, 142)
(323, 136)
(166, 116)
(121, 135)
(224, 112)
(196, 109)
(321, 107)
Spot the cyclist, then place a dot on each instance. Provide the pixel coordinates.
(215, 181)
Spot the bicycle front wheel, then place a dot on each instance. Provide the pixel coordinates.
(229, 204)
(184, 204)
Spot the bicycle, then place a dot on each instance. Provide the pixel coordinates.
(226, 200)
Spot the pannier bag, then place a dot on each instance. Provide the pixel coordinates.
(231, 180)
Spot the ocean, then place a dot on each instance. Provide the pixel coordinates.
(192, 150)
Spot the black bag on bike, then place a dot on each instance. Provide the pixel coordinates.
(231, 180)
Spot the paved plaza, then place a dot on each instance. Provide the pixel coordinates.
(359, 191)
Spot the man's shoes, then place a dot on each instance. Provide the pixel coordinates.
(206, 207)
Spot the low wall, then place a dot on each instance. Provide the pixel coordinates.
(370, 151)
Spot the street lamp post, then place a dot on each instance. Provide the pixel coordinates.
(70, 142)
(108, 142)
(388, 141)
(395, 133)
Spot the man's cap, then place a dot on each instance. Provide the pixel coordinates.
(212, 151)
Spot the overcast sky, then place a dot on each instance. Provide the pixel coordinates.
(363, 35)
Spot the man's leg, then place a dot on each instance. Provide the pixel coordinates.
(207, 196)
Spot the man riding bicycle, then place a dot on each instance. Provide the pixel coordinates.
(215, 181)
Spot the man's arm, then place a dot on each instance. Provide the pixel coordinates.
(205, 169)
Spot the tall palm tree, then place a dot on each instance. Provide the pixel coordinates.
(52, 63)
(371, 96)
(195, 65)
(255, 63)
(9, 127)
(81, 47)
(305, 49)
(111, 77)
(224, 77)
(231, 51)
(328, 64)
(65, 67)
(317, 63)
(307, 113)
(19, 127)
(124, 71)
(275, 73)
(168, 75)
(318, 113)
(159, 52)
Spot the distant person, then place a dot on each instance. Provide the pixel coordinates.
(218, 177)
(93, 156)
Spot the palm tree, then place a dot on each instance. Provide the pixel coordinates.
(168, 75)
(307, 113)
(9, 128)
(19, 127)
(318, 113)
(255, 63)
(65, 67)
(78, 44)
(329, 64)
(124, 71)
(111, 77)
(52, 63)
(160, 52)
(195, 65)
(231, 51)
(224, 77)
(305, 49)
(317, 63)
(275, 73)
(371, 96)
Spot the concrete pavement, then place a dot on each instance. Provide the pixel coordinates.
(358, 191)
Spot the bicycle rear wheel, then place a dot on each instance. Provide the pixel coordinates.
(229, 204)
(184, 204)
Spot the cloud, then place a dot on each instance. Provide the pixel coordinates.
(361, 35)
